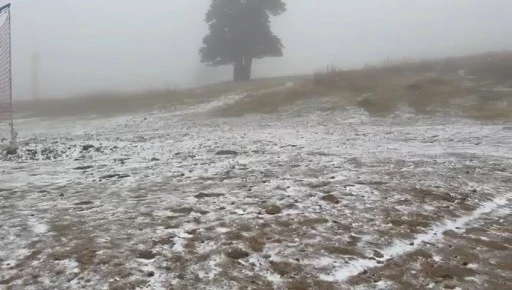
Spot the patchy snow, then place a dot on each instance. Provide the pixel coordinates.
(221, 102)
(84, 197)
(39, 228)
(401, 247)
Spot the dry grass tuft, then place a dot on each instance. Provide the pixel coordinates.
(256, 243)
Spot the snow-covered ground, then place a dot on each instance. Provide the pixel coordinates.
(182, 200)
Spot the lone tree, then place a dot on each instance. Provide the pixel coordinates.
(240, 32)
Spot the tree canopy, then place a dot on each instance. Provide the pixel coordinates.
(240, 30)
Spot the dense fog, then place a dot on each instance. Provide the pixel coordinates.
(65, 48)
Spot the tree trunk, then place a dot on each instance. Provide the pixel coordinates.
(238, 70)
(247, 68)
(242, 69)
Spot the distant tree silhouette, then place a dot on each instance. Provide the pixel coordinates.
(240, 32)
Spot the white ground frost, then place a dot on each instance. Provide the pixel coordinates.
(83, 197)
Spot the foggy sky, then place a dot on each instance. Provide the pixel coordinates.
(125, 45)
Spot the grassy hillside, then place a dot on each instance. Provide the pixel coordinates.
(471, 86)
